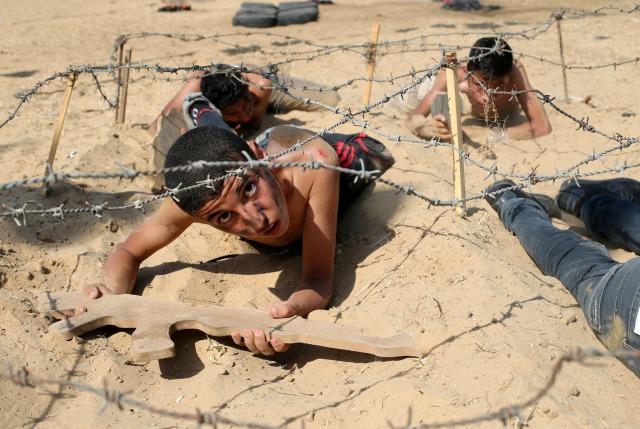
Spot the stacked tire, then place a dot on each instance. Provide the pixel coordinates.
(263, 15)
(297, 12)
(256, 15)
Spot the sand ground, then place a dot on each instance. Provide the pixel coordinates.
(491, 325)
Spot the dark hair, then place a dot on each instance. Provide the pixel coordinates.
(202, 144)
(223, 88)
(495, 64)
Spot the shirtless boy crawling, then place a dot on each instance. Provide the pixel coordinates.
(488, 80)
(272, 206)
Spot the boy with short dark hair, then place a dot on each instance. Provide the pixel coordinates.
(244, 95)
(271, 206)
(491, 68)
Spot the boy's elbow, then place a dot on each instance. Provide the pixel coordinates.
(544, 131)
(123, 255)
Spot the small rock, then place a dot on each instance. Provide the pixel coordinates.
(113, 227)
(544, 409)
(345, 391)
(574, 391)
(310, 416)
(571, 318)
(220, 370)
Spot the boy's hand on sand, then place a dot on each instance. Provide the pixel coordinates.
(256, 340)
(440, 127)
(90, 290)
(419, 125)
(284, 309)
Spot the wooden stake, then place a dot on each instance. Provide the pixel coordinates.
(558, 17)
(456, 129)
(71, 80)
(119, 82)
(122, 104)
(371, 62)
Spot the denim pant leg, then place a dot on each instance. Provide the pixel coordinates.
(607, 291)
(612, 218)
(618, 311)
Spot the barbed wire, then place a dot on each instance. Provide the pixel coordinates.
(504, 414)
(528, 179)
(382, 48)
(530, 33)
(19, 211)
(23, 378)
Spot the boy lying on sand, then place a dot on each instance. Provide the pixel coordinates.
(244, 97)
(271, 206)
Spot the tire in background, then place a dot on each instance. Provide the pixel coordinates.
(290, 5)
(256, 15)
(297, 16)
(254, 19)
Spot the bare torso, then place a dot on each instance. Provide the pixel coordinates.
(296, 182)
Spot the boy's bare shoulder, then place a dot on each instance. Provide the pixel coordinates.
(284, 137)
(171, 216)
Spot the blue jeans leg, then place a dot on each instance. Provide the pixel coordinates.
(607, 291)
(612, 218)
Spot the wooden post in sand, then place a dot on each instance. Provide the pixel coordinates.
(371, 60)
(119, 79)
(71, 80)
(122, 102)
(451, 65)
(558, 16)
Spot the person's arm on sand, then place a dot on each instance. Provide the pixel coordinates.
(191, 84)
(123, 262)
(318, 250)
(261, 88)
(537, 124)
(418, 121)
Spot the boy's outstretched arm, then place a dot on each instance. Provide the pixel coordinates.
(537, 124)
(123, 262)
(261, 87)
(191, 84)
(318, 250)
(418, 121)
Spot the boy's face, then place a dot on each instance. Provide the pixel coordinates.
(481, 100)
(250, 206)
(240, 112)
